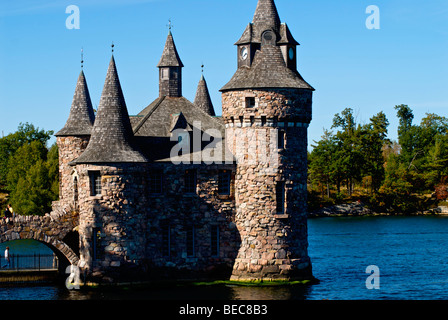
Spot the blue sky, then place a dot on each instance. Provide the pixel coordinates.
(404, 62)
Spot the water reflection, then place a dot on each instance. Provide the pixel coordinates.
(214, 292)
(269, 293)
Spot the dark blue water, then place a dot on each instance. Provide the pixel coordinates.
(411, 254)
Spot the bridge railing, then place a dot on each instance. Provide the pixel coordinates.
(30, 262)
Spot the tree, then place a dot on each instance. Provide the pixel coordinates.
(348, 153)
(36, 182)
(321, 166)
(374, 138)
(25, 134)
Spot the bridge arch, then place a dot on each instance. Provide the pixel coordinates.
(50, 230)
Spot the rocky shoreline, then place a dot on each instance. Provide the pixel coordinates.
(357, 209)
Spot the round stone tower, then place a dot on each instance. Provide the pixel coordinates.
(112, 219)
(267, 110)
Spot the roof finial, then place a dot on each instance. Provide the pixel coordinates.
(202, 68)
(112, 46)
(82, 58)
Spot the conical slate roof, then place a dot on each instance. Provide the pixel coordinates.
(170, 57)
(268, 70)
(202, 99)
(82, 117)
(112, 139)
(266, 16)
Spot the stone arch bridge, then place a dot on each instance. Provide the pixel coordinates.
(57, 230)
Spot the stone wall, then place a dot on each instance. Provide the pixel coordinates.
(70, 148)
(126, 222)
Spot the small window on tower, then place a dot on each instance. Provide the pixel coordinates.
(250, 102)
(224, 181)
(281, 139)
(95, 183)
(165, 73)
(280, 197)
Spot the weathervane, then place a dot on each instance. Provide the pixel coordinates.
(169, 25)
(82, 58)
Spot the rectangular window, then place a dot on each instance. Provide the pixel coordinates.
(281, 139)
(156, 182)
(190, 241)
(250, 102)
(280, 197)
(224, 180)
(190, 179)
(215, 241)
(165, 73)
(95, 183)
(166, 239)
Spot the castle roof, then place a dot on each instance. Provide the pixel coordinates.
(156, 119)
(112, 139)
(82, 117)
(268, 70)
(202, 99)
(170, 57)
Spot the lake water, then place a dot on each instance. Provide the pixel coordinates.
(410, 254)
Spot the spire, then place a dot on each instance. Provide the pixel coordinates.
(170, 57)
(82, 117)
(112, 137)
(266, 16)
(202, 99)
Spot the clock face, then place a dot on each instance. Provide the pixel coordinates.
(244, 53)
(291, 53)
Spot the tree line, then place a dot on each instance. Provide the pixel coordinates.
(355, 160)
(29, 170)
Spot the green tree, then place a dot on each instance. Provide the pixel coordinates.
(25, 134)
(374, 138)
(321, 162)
(348, 155)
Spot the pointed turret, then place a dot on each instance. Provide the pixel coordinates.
(266, 16)
(82, 117)
(112, 136)
(170, 74)
(267, 53)
(202, 99)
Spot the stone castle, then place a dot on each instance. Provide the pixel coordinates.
(177, 192)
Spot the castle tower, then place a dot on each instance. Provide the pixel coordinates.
(202, 98)
(112, 201)
(170, 70)
(267, 110)
(72, 140)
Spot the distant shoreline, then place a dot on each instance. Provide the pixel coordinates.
(357, 209)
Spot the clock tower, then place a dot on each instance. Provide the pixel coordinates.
(267, 110)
